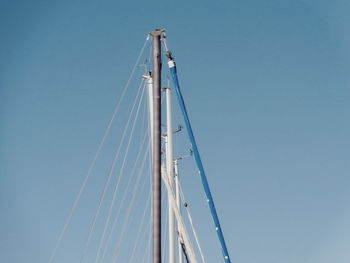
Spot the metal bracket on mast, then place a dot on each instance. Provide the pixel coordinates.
(184, 156)
(179, 128)
(157, 32)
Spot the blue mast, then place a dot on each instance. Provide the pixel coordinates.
(173, 73)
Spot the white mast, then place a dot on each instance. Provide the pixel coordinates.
(178, 202)
(170, 172)
(149, 80)
(182, 227)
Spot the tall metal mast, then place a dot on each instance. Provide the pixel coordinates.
(156, 160)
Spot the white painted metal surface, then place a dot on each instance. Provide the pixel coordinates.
(149, 80)
(170, 171)
(178, 202)
(182, 228)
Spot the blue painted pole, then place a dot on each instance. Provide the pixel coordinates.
(173, 72)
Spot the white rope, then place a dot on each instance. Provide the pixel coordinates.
(120, 174)
(191, 223)
(92, 165)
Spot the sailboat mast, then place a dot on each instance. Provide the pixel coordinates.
(178, 202)
(156, 160)
(170, 171)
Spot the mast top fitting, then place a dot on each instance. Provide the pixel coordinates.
(157, 32)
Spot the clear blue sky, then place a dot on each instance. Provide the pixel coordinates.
(267, 86)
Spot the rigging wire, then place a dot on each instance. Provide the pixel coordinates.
(121, 170)
(118, 213)
(110, 176)
(124, 196)
(104, 193)
(126, 220)
(146, 64)
(191, 222)
(147, 253)
(92, 165)
(141, 226)
(183, 247)
(165, 228)
(145, 236)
